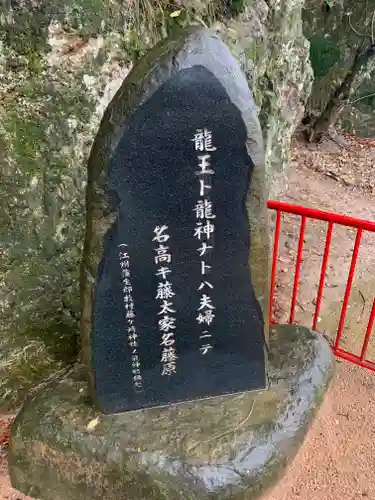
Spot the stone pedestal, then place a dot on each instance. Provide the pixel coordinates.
(231, 447)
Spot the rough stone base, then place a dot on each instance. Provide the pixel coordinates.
(224, 448)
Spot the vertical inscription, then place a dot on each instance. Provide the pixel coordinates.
(204, 233)
(132, 336)
(165, 294)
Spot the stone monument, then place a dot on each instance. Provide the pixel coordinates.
(174, 313)
(175, 304)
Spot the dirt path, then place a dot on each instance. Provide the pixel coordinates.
(337, 459)
(311, 188)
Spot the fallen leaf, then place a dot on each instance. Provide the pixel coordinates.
(92, 424)
(176, 13)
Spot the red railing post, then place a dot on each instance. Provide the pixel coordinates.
(368, 332)
(323, 274)
(274, 263)
(348, 287)
(298, 268)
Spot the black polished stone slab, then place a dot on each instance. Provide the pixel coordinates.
(154, 180)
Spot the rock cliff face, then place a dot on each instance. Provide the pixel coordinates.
(59, 68)
(336, 34)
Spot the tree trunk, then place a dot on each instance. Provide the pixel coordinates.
(340, 97)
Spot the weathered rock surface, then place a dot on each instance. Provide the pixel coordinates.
(336, 34)
(225, 448)
(59, 68)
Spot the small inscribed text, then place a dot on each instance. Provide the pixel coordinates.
(132, 336)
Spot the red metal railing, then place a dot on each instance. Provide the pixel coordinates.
(331, 219)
